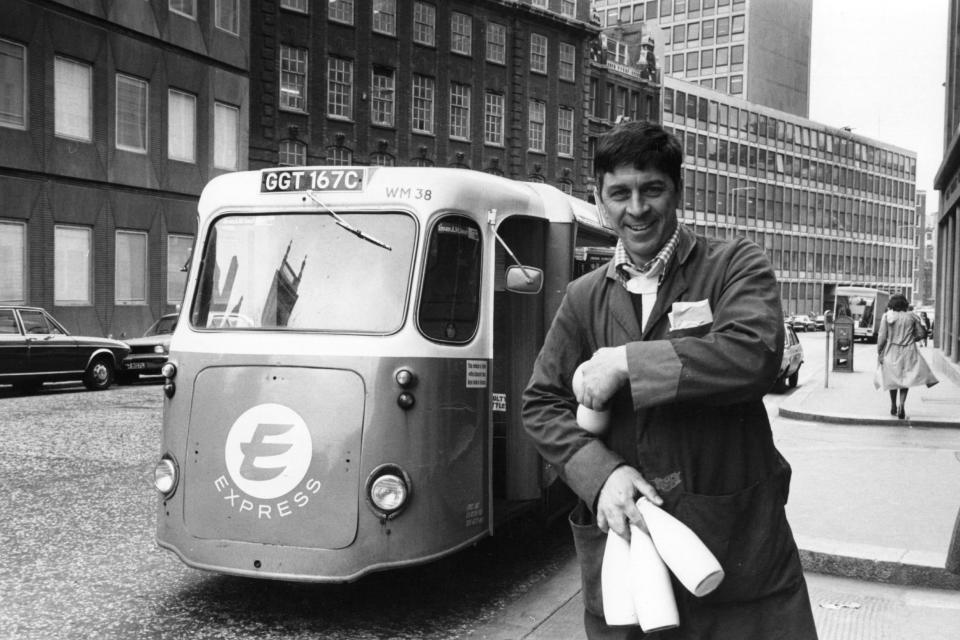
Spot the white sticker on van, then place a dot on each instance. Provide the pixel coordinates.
(476, 374)
(268, 451)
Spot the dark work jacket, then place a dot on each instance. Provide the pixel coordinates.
(692, 421)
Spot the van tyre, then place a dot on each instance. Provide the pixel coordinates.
(792, 380)
(99, 374)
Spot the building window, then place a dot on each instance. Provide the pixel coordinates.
(339, 156)
(382, 159)
(493, 112)
(292, 153)
(13, 257)
(565, 132)
(72, 99)
(539, 3)
(459, 111)
(496, 42)
(424, 23)
(385, 16)
(186, 8)
(341, 11)
(568, 61)
(736, 57)
(295, 5)
(461, 33)
(13, 79)
(538, 53)
(537, 125)
(226, 134)
(293, 78)
(178, 254)
(423, 90)
(568, 8)
(181, 126)
(130, 276)
(228, 16)
(736, 85)
(131, 114)
(382, 97)
(737, 25)
(71, 265)
(340, 88)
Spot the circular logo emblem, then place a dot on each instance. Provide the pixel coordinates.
(268, 451)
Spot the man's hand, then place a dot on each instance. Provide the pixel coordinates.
(603, 375)
(617, 503)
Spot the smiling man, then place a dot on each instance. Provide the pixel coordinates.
(680, 336)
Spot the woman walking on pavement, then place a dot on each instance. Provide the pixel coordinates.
(900, 364)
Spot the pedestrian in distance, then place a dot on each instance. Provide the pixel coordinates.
(680, 337)
(899, 362)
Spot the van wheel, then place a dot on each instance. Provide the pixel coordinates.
(780, 385)
(99, 375)
(792, 380)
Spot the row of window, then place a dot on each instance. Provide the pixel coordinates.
(73, 259)
(705, 150)
(627, 12)
(757, 203)
(681, 107)
(693, 34)
(719, 60)
(73, 117)
(621, 101)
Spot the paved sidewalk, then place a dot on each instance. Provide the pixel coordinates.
(874, 497)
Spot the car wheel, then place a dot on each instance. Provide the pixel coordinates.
(792, 380)
(99, 375)
(780, 385)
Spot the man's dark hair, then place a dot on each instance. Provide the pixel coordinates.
(641, 145)
(898, 302)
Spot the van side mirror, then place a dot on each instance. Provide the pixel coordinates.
(524, 279)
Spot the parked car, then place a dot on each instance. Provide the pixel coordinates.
(820, 323)
(801, 323)
(149, 352)
(35, 348)
(792, 359)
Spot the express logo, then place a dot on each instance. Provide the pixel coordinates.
(268, 451)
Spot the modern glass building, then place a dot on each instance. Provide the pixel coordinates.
(830, 207)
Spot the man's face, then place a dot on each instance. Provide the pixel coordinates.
(641, 206)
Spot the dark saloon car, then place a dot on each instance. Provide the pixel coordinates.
(148, 353)
(35, 348)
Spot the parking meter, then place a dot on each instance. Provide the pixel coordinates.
(843, 344)
(828, 321)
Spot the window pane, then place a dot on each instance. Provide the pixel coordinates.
(181, 126)
(459, 111)
(13, 81)
(424, 23)
(296, 5)
(565, 132)
(450, 301)
(496, 42)
(340, 88)
(130, 277)
(226, 127)
(568, 61)
(383, 95)
(178, 253)
(292, 153)
(131, 114)
(537, 125)
(293, 78)
(341, 11)
(385, 16)
(493, 111)
(184, 7)
(228, 16)
(12, 257)
(538, 53)
(461, 33)
(71, 249)
(72, 99)
(422, 104)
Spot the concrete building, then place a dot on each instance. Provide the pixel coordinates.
(829, 207)
(112, 118)
(490, 85)
(757, 50)
(947, 182)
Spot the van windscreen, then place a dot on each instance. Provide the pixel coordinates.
(305, 272)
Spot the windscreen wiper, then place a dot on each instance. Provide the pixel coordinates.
(346, 225)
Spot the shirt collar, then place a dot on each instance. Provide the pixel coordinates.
(655, 267)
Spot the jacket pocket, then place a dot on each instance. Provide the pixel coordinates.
(748, 533)
(589, 542)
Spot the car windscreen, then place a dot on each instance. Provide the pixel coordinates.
(305, 272)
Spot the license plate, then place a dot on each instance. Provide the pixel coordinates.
(136, 365)
(307, 179)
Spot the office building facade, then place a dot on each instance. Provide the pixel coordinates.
(757, 50)
(828, 206)
(112, 118)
